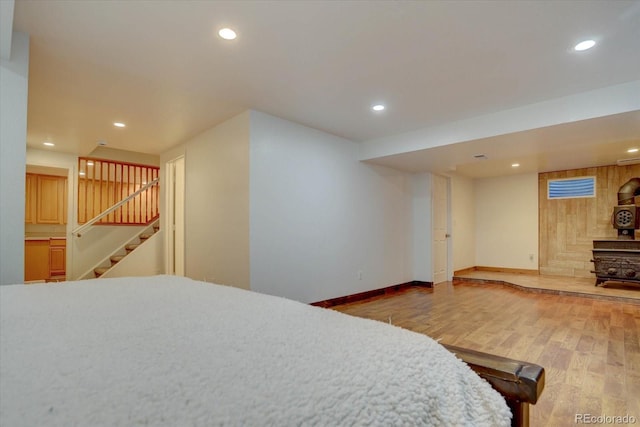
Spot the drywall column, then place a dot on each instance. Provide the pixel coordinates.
(507, 221)
(217, 204)
(463, 217)
(14, 77)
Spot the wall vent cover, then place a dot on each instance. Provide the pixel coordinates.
(571, 188)
(630, 161)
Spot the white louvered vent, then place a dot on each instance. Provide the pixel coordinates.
(631, 161)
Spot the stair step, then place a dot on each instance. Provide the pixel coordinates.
(116, 259)
(100, 271)
(131, 247)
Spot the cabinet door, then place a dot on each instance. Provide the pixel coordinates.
(50, 200)
(30, 199)
(57, 258)
(36, 260)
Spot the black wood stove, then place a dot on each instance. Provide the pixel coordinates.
(619, 260)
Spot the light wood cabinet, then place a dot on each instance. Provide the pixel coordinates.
(36, 260)
(45, 259)
(45, 199)
(51, 199)
(57, 258)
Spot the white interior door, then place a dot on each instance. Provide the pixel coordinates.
(440, 228)
(175, 216)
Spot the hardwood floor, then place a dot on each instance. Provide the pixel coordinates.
(590, 348)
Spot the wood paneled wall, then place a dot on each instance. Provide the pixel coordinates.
(568, 227)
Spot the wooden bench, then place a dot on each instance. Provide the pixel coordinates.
(521, 383)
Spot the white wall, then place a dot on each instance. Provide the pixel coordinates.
(146, 260)
(507, 221)
(125, 156)
(421, 232)
(217, 204)
(96, 244)
(6, 27)
(463, 222)
(319, 216)
(14, 77)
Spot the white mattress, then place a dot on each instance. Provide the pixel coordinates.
(167, 351)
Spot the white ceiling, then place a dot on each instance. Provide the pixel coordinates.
(596, 142)
(160, 67)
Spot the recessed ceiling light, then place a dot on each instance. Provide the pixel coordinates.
(119, 124)
(227, 34)
(48, 144)
(89, 163)
(632, 150)
(81, 173)
(378, 107)
(584, 45)
(515, 165)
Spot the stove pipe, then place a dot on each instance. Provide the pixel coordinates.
(628, 191)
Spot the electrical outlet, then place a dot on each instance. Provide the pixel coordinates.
(359, 274)
(531, 257)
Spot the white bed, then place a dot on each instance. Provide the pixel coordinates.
(169, 351)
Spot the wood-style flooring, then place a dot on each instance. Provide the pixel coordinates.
(589, 347)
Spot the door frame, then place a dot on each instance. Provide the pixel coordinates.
(46, 166)
(175, 224)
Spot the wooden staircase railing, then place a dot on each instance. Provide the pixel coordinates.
(95, 220)
(104, 183)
